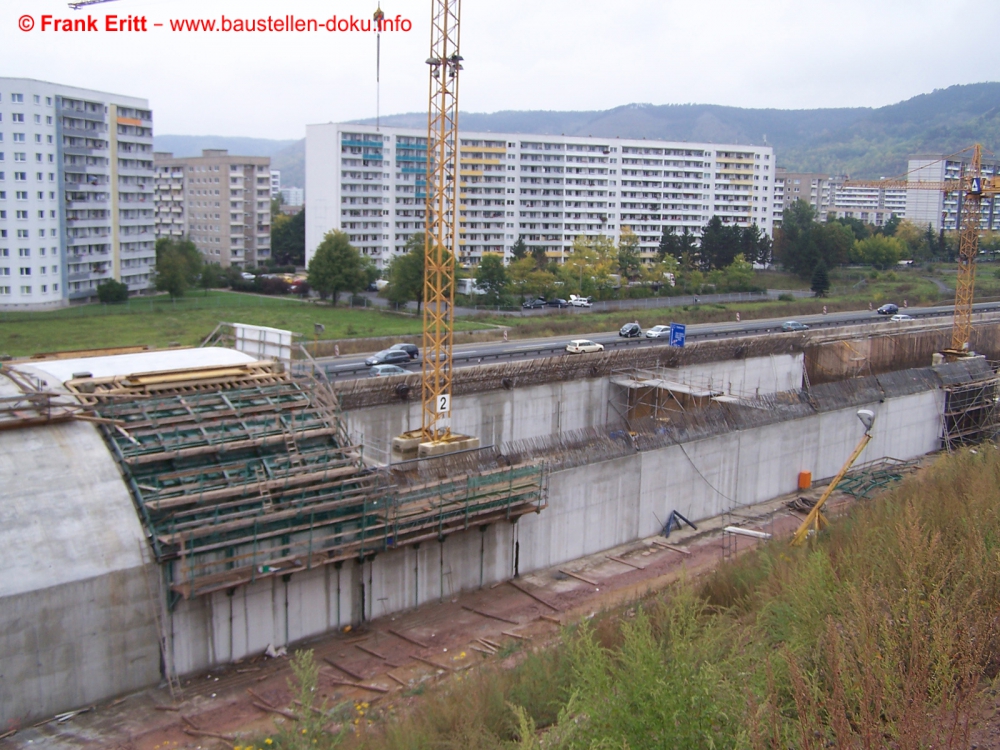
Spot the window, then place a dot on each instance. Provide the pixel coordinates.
(20, 176)
(41, 195)
(41, 251)
(22, 195)
(38, 157)
(4, 291)
(25, 271)
(22, 214)
(37, 99)
(48, 100)
(24, 252)
(22, 234)
(48, 139)
(38, 119)
(25, 290)
(17, 98)
(55, 287)
(17, 117)
(18, 137)
(52, 233)
(51, 159)
(39, 176)
(48, 121)
(38, 139)
(20, 156)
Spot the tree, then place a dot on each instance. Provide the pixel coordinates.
(915, 241)
(890, 227)
(491, 276)
(336, 267)
(803, 242)
(720, 244)
(541, 259)
(112, 292)
(406, 274)
(519, 249)
(178, 265)
(276, 202)
(860, 230)
(879, 251)
(629, 260)
(670, 245)
(820, 280)
(288, 240)
(212, 276)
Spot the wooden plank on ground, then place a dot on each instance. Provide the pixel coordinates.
(488, 615)
(664, 545)
(408, 638)
(579, 577)
(343, 669)
(623, 561)
(534, 596)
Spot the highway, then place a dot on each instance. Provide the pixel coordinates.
(468, 355)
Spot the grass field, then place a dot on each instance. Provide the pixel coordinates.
(157, 321)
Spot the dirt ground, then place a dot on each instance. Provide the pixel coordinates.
(388, 657)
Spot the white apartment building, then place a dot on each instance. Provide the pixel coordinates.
(76, 193)
(220, 202)
(870, 204)
(940, 209)
(371, 183)
(293, 196)
(275, 183)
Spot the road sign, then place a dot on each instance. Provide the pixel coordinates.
(678, 331)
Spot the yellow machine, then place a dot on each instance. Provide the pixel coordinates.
(816, 520)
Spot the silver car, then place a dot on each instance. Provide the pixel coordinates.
(657, 332)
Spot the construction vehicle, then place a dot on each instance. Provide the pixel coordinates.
(972, 187)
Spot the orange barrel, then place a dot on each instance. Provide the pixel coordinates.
(805, 480)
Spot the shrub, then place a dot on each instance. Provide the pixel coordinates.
(786, 297)
(112, 292)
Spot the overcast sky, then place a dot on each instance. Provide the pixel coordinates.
(519, 54)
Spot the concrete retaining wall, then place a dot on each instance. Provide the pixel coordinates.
(591, 508)
(537, 411)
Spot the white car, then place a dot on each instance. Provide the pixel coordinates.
(579, 302)
(657, 331)
(900, 316)
(583, 346)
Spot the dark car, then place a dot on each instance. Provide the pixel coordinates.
(557, 303)
(388, 357)
(630, 331)
(533, 304)
(793, 325)
(888, 309)
(410, 349)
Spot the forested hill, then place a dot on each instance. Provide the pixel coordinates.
(860, 141)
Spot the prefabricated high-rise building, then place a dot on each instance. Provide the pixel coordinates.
(371, 183)
(76, 193)
(221, 202)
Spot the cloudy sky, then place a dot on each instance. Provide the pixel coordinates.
(519, 54)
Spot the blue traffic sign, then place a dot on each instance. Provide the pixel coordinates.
(678, 332)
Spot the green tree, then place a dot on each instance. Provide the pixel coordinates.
(112, 292)
(406, 274)
(820, 284)
(802, 242)
(670, 245)
(519, 249)
(288, 240)
(178, 265)
(738, 276)
(879, 251)
(860, 230)
(629, 260)
(212, 276)
(890, 227)
(276, 202)
(336, 267)
(720, 244)
(491, 275)
(541, 259)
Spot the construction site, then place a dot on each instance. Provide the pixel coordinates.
(173, 511)
(170, 515)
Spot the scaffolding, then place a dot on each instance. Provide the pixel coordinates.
(32, 405)
(970, 413)
(241, 473)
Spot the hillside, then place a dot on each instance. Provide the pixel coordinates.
(861, 141)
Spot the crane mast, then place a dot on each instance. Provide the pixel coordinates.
(440, 222)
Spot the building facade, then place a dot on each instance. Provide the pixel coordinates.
(549, 190)
(939, 209)
(220, 202)
(293, 196)
(76, 193)
(275, 182)
(868, 203)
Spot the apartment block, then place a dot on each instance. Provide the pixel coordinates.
(220, 202)
(871, 204)
(372, 183)
(942, 210)
(275, 182)
(76, 193)
(293, 196)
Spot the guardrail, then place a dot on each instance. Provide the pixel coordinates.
(555, 349)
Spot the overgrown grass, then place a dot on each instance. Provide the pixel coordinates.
(881, 634)
(158, 321)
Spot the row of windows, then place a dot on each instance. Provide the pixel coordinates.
(26, 290)
(19, 99)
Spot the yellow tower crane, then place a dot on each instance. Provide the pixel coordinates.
(971, 187)
(435, 435)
